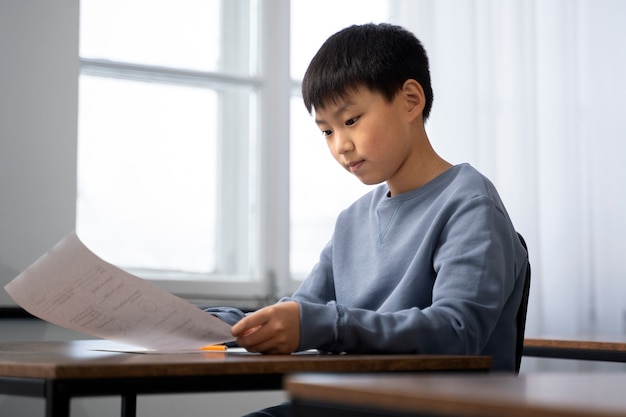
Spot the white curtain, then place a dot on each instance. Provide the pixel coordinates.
(533, 94)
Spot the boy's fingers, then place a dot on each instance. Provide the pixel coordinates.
(250, 330)
(247, 325)
(252, 340)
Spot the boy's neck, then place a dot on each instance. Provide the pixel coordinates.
(424, 166)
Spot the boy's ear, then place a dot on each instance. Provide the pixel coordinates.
(415, 99)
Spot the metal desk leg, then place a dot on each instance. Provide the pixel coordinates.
(129, 404)
(57, 401)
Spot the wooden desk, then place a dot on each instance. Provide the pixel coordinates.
(489, 395)
(612, 349)
(58, 371)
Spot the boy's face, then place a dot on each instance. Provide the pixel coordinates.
(370, 136)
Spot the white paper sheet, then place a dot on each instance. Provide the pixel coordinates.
(72, 287)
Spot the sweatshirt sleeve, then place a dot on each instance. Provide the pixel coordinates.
(229, 315)
(318, 308)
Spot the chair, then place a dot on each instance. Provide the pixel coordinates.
(521, 314)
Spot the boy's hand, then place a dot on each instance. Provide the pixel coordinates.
(272, 329)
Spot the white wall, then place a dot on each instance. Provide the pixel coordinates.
(38, 116)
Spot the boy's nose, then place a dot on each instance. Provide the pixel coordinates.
(343, 143)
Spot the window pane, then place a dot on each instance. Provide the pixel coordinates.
(320, 188)
(147, 173)
(180, 34)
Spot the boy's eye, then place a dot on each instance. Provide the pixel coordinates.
(326, 132)
(351, 121)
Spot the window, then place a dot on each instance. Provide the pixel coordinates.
(198, 164)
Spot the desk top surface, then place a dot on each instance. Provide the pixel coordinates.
(85, 359)
(539, 395)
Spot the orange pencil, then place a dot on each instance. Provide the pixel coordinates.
(214, 347)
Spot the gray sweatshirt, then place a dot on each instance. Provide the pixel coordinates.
(439, 270)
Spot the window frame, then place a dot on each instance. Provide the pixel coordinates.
(263, 243)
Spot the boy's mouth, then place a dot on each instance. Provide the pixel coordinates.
(355, 165)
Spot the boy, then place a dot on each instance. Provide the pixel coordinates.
(427, 262)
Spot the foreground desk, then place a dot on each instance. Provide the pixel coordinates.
(59, 371)
(490, 395)
(612, 349)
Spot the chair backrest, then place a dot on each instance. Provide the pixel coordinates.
(521, 314)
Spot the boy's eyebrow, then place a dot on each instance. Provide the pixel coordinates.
(341, 109)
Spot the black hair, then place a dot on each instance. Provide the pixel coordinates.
(380, 57)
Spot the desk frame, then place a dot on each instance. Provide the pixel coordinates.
(59, 392)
